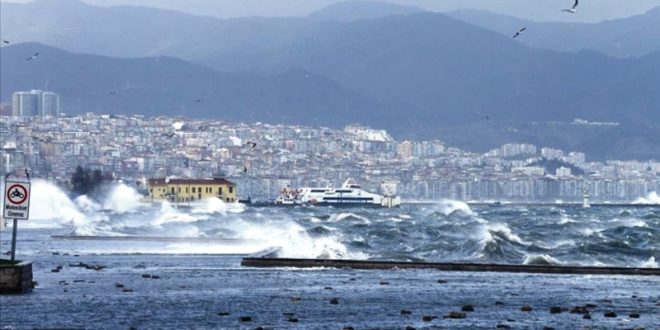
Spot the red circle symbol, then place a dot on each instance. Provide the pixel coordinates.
(17, 194)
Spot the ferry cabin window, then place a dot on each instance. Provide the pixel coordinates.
(318, 190)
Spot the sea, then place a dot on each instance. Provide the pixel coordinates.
(121, 263)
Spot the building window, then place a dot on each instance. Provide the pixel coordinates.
(193, 190)
(219, 190)
(179, 189)
(231, 189)
(172, 189)
(186, 190)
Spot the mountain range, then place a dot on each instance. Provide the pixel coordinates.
(418, 74)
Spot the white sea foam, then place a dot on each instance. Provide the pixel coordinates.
(122, 199)
(541, 259)
(650, 263)
(343, 216)
(651, 198)
(486, 233)
(448, 207)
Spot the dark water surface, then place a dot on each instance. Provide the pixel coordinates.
(200, 275)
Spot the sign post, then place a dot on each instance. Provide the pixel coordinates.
(17, 202)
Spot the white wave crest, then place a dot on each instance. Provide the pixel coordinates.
(342, 216)
(651, 198)
(650, 263)
(540, 259)
(122, 199)
(448, 207)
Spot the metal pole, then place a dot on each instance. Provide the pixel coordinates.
(13, 241)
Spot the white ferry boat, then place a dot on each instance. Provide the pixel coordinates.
(350, 194)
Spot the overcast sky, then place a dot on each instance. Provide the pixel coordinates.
(540, 10)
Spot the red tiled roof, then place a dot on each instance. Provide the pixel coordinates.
(215, 181)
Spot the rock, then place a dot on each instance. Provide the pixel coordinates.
(384, 283)
(456, 315)
(56, 253)
(442, 281)
(76, 255)
(579, 310)
(55, 270)
(78, 281)
(127, 290)
(526, 308)
(288, 314)
(633, 316)
(352, 279)
(259, 328)
(503, 326)
(59, 267)
(548, 328)
(428, 318)
(410, 328)
(499, 303)
(62, 282)
(586, 316)
(146, 276)
(610, 314)
(35, 284)
(119, 285)
(296, 298)
(405, 312)
(467, 308)
(334, 301)
(606, 301)
(327, 288)
(555, 310)
(590, 306)
(155, 277)
(347, 328)
(245, 319)
(132, 328)
(293, 320)
(65, 290)
(224, 313)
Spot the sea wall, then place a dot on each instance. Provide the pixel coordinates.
(16, 279)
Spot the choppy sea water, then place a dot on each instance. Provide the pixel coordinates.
(201, 284)
(438, 231)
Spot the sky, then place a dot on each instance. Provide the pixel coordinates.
(539, 10)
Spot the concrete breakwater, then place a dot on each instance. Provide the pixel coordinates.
(459, 267)
(16, 279)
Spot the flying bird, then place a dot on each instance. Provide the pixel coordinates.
(250, 143)
(169, 135)
(5, 41)
(33, 57)
(113, 93)
(573, 9)
(198, 100)
(519, 32)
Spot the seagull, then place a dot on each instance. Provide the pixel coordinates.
(519, 32)
(5, 41)
(113, 93)
(250, 143)
(198, 100)
(33, 57)
(573, 9)
(170, 135)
